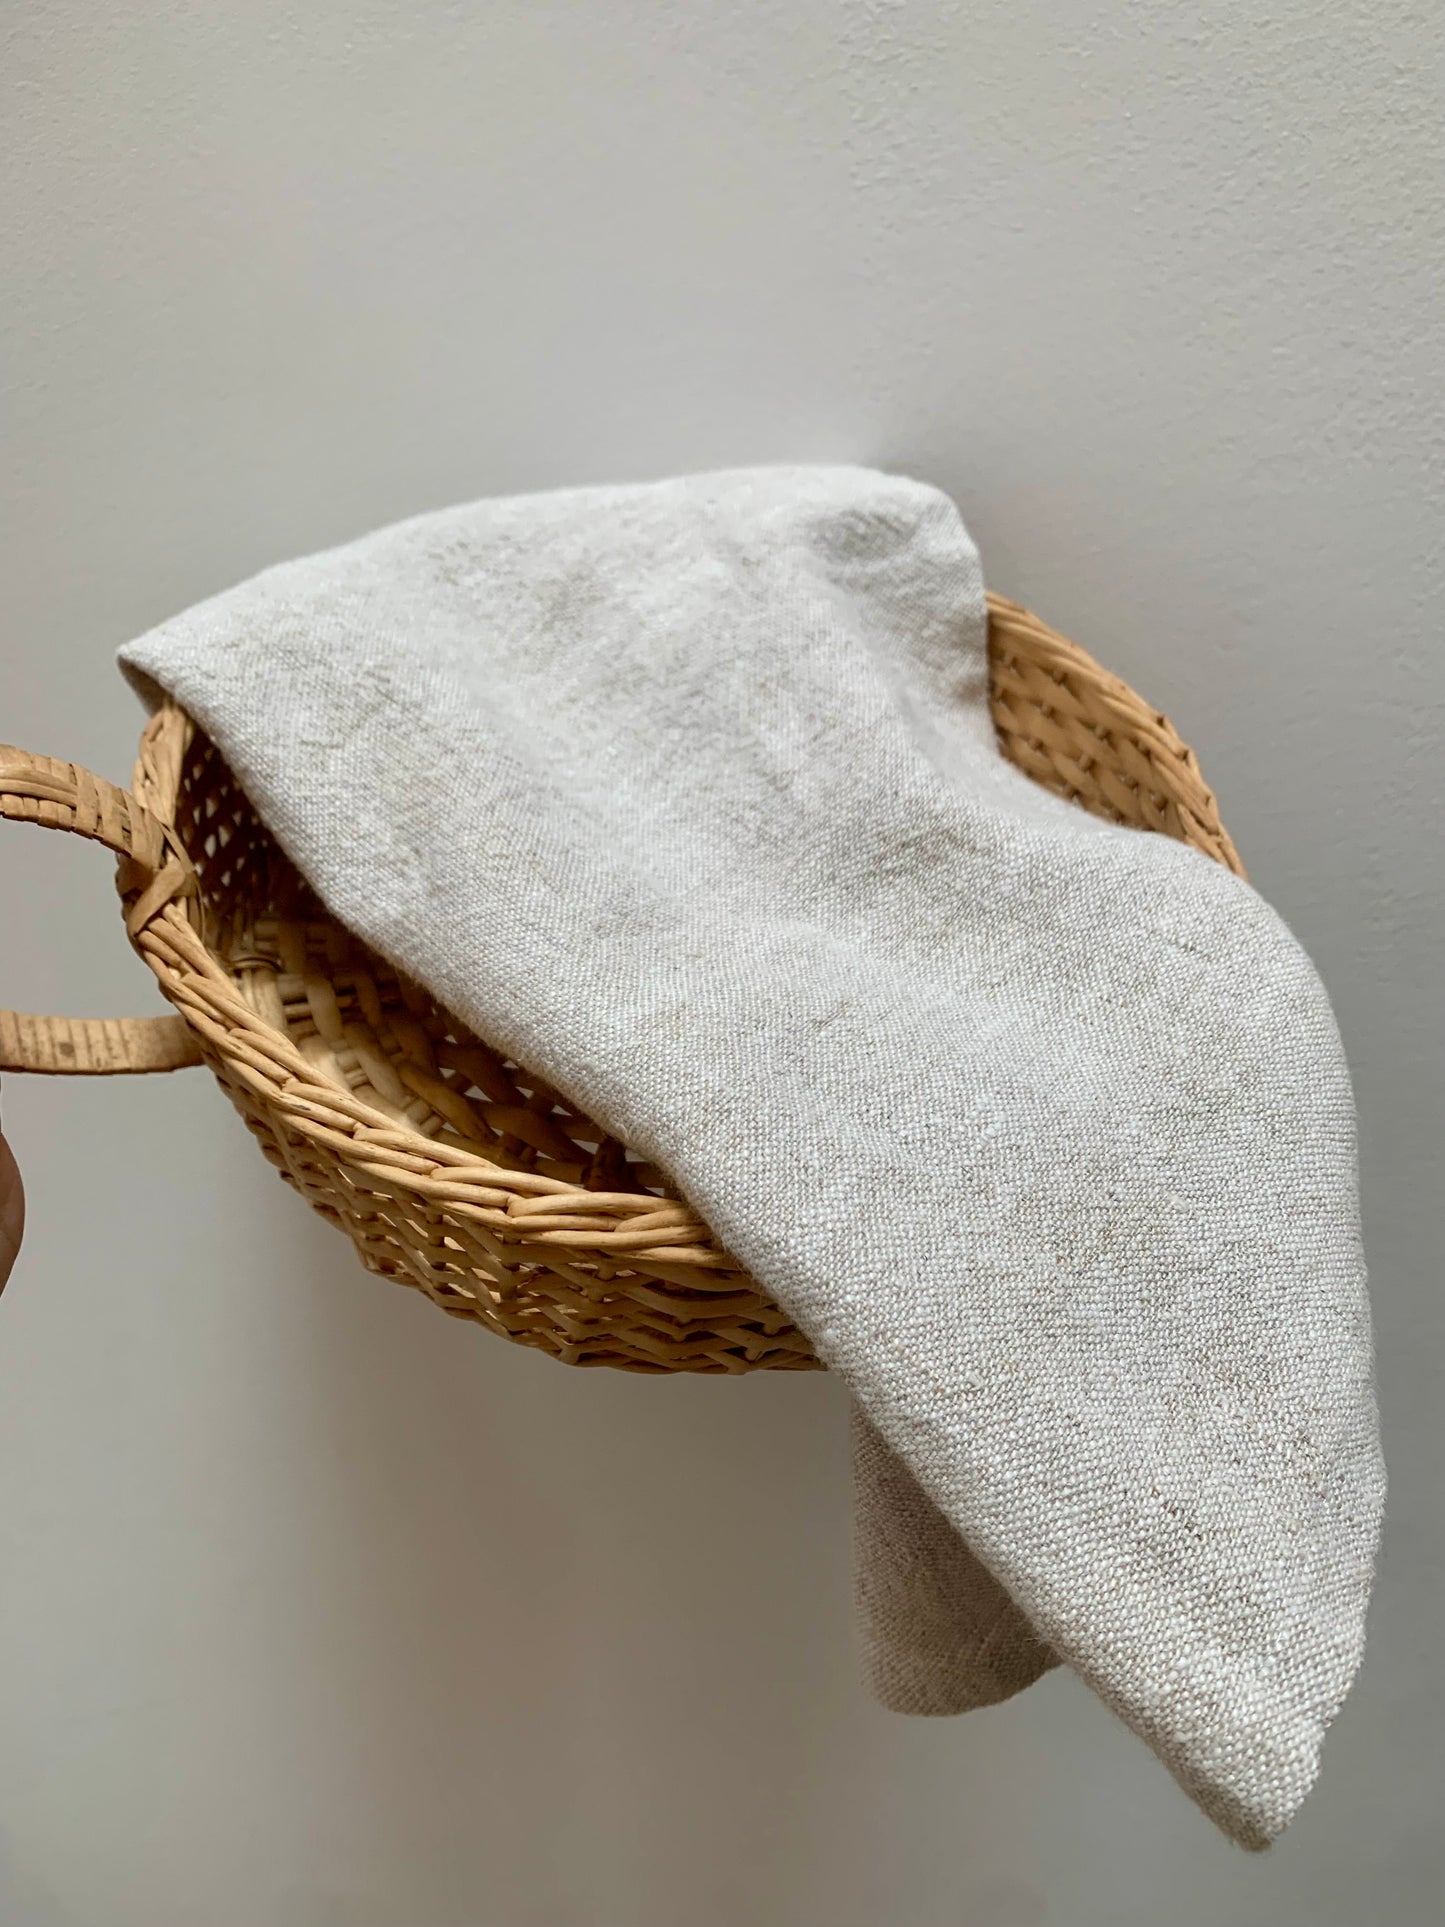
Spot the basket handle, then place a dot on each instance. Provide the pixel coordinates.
(154, 869)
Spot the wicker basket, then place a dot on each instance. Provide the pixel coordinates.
(451, 1168)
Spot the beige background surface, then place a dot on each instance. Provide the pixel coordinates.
(318, 1610)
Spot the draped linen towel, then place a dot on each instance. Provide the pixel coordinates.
(686, 795)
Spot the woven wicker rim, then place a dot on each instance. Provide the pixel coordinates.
(453, 1169)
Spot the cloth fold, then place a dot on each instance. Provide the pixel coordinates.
(686, 796)
(938, 1632)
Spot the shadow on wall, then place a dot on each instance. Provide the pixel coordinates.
(585, 1634)
(354, 1615)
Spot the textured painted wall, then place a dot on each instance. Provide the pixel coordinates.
(319, 1611)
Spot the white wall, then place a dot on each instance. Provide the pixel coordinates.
(319, 1610)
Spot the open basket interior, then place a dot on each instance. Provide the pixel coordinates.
(351, 1014)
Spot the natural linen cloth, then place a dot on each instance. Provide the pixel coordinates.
(687, 797)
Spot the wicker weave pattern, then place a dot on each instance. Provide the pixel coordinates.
(1083, 733)
(451, 1168)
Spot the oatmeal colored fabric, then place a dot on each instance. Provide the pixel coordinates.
(1038, 1126)
(938, 1632)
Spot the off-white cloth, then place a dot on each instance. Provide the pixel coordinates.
(687, 796)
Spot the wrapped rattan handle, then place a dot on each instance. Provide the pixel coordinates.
(62, 796)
